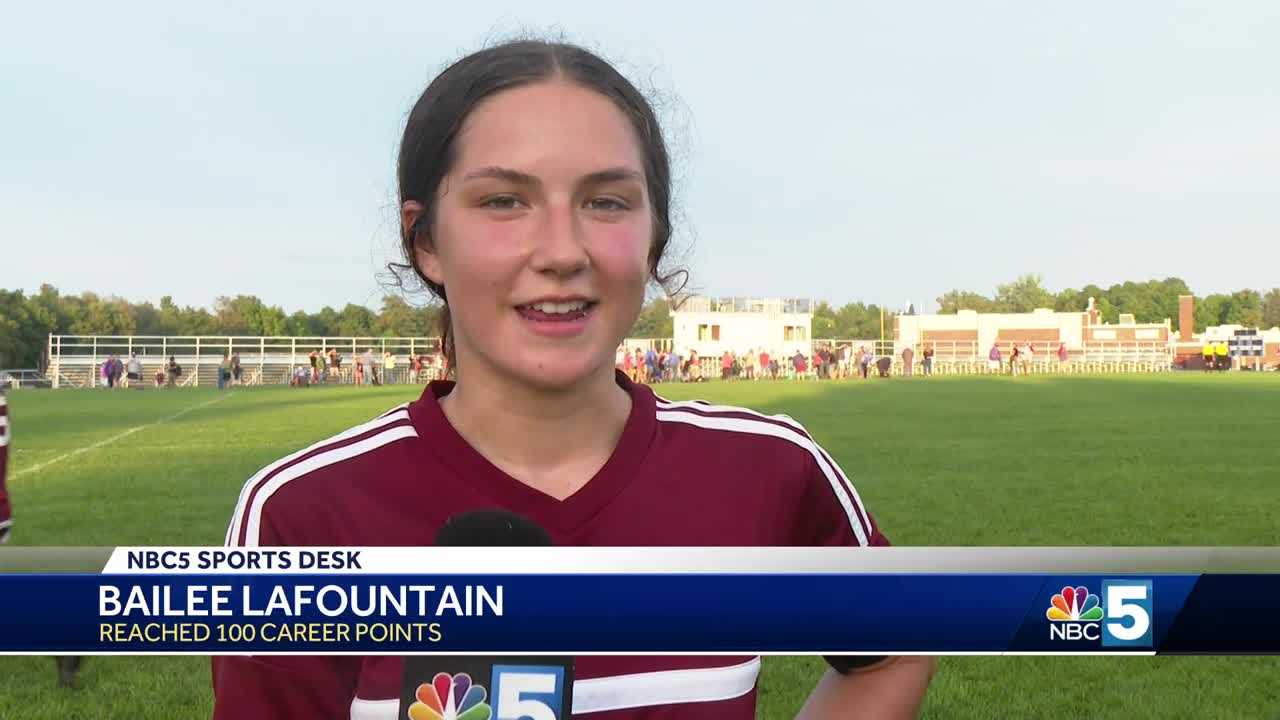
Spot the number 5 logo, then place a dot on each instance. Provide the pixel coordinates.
(528, 692)
(1128, 610)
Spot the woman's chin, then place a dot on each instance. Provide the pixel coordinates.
(565, 375)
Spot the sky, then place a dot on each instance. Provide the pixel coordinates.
(872, 151)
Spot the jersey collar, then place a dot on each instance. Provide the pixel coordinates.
(563, 517)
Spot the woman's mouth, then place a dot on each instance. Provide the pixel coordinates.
(557, 319)
(556, 312)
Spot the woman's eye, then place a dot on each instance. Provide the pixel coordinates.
(607, 204)
(502, 202)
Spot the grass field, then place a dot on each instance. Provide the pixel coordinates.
(1177, 459)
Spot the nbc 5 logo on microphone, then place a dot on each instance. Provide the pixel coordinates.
(519, 692)
(1122, 617)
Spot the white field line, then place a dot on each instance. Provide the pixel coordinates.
(113, 438)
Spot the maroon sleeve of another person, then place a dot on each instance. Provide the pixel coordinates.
(6, 517)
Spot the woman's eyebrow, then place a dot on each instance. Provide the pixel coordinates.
(612, 175)
(516, 177)
(501, 173)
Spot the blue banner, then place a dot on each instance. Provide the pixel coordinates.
(622, 613)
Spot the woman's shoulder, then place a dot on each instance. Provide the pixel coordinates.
(728, 430)
(294, 490)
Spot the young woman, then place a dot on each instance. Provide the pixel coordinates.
(535, 191)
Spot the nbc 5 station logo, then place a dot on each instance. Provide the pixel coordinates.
(1122, 618)
(520, 692)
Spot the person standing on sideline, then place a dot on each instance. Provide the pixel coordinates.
(133, 372)
(927, 363)
(371, 367)
(236, 370)
(994, 359)
(908, 357)
(224, 370)
(174, 371)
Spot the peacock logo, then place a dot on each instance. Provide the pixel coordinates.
(450, 697)
(1074, 605)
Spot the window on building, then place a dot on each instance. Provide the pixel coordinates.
(801, 333)
(704, 333)
(788, 333)
(715, 332)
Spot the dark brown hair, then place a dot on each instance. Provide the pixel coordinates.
(427, 150)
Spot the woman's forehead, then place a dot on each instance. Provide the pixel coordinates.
(548, 127)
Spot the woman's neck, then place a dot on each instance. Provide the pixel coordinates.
(552, 440)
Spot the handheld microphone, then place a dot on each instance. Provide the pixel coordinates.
(474, 687)
(491, 528)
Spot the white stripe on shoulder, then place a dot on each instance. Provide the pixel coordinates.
(842, 488)
(397, 413)
(346, 452)
(621, 692)
(827, 462)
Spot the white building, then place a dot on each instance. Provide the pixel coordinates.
(712, 326)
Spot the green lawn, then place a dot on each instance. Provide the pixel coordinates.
(1173, 459)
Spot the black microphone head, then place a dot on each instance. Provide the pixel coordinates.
(491, 528)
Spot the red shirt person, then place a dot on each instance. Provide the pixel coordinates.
(395, 480)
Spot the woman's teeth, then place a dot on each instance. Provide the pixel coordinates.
(552, 308)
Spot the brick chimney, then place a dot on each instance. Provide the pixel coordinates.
(1186, 317)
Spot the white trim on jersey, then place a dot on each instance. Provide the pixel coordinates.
(827, 462)
(842, 488)
(664, 687)
(396, 414)
(622, 692)
(4, 430)
(324, 459)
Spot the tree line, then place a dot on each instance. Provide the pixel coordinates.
(27, 320)
(1150, 301)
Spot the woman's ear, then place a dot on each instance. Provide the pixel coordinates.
(424, 252)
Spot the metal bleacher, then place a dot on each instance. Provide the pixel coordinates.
(76, 360)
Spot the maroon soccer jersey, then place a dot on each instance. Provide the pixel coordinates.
(683, 473)
(6, 517)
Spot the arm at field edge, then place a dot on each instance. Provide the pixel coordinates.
(889, 690)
